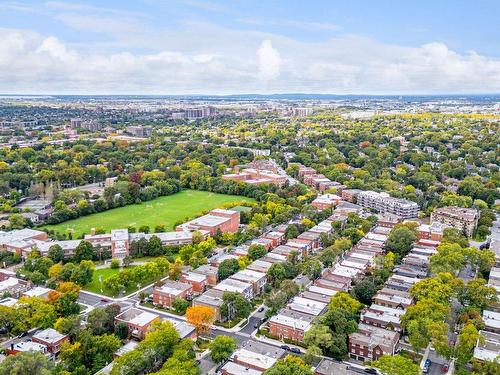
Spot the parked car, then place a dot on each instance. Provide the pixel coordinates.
(256, 325)
(285, 347)
(261, 309)
(445, 367)
(295, 350)
(370, 370)
(427, 365)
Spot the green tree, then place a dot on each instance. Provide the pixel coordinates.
(319, 336)
(256, 251)
(235, 306)
(396, 365)
(84, 251)
(180, 305)
(222, 348)
(227, 268)
(26, 363)
(289, 365)
(400, 240)
(56, 253)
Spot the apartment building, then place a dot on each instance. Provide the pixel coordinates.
(197, 280)
(369, 342)
(166, 294)
(211, 298)
(291, 325)
(256, 177)
(463, 219)
(384, 203)
(326, 201)
(138, 321)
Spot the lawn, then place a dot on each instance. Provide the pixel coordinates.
(102, 274)
(164, 210)
(98, 279)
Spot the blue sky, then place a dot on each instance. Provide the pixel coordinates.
(220, 47)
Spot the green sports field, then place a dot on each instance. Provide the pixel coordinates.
(164, 210)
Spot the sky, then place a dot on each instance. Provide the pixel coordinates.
(242, 46)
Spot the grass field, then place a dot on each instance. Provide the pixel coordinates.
(102, 274)
(164, 210)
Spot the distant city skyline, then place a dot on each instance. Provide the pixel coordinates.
(183, 47)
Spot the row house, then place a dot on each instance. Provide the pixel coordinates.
(166, 294)
(256, 279)
(335, 285)
(491, 321)
(488, 347)
(396, 299)
(307, 306)
(382, 320)
(399, 282)
(232, 285)
(210, 273)
(311, 238)
(276, 238)
(267, 243)
(350, 195)
(320, 297)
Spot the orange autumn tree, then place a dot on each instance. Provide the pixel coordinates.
(201, 317)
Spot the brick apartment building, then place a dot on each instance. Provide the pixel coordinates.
(463, 219)
(166, 294)
(138, 321)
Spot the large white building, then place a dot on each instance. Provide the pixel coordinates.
(384, 203)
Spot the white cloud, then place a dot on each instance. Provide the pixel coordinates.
(269, 61)
(205, 58)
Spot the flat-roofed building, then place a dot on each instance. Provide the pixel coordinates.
(218, 219)
(39, 292)
(138, 321)
(211, 298)
(307, 306)
(370, 343)
(260, 265)
(383, 317)
(166, 294)
(231, 368)
(197, 280)
(257, 355)
(331, 367)
(393, 298)
(384, 203)
(120, 244)
(487, 347)
(236, 286)
(257, 279)
(326, 201)
(277, 238)
(463, 219)
(210, 272)
(491, 321)
(51, 338)
(289, 324)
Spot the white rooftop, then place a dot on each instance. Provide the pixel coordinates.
(254, 359)
(37, 292)
(307, 306)
(236, 369)
(49, 335)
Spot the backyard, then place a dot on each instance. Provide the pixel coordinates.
(164, 210)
